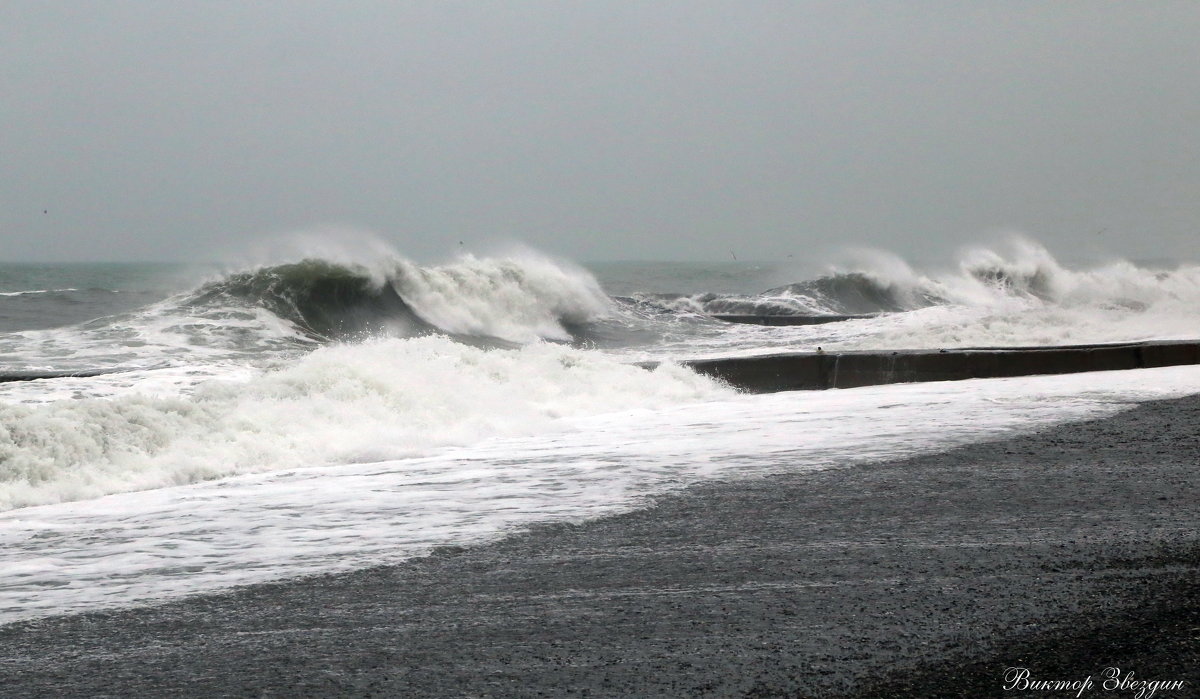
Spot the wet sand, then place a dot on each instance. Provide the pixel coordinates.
(1065, 552)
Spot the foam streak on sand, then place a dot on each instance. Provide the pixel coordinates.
(173, 541)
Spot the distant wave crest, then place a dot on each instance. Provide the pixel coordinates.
(1027, 277)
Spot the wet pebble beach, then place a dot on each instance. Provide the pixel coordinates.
(1065, 552)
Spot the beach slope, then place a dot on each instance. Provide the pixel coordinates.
(1064, 552)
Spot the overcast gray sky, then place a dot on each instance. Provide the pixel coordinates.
(602, 130)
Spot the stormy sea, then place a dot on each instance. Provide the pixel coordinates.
(168, 430)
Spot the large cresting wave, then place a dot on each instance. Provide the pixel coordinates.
(514, 299)
(267, 310)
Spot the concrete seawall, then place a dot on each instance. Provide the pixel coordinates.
(785, 320)
(820, 370)
(8, 376)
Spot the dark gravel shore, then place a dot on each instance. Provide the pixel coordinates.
(1065, 552)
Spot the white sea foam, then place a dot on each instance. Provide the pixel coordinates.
(167, 332)
(1024, 272)
(139, 547)
(250, 313)
(521, 298)
(338, 404)
(1019, 297)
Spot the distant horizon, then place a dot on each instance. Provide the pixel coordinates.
(835, 258)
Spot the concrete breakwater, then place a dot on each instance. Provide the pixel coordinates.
(8, 376)
(746, 319)
(820, 370)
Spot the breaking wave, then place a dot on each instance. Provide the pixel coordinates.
(518, 300)
(341, 403)
(1027, 277)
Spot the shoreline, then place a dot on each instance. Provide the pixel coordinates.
(1065, 551)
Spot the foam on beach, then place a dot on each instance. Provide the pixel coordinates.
(339, 404)
(162, 543)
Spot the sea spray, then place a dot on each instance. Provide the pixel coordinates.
(517, 299)
(1015, 297)
(292, 306)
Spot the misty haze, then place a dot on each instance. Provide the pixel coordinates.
(618, 349)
